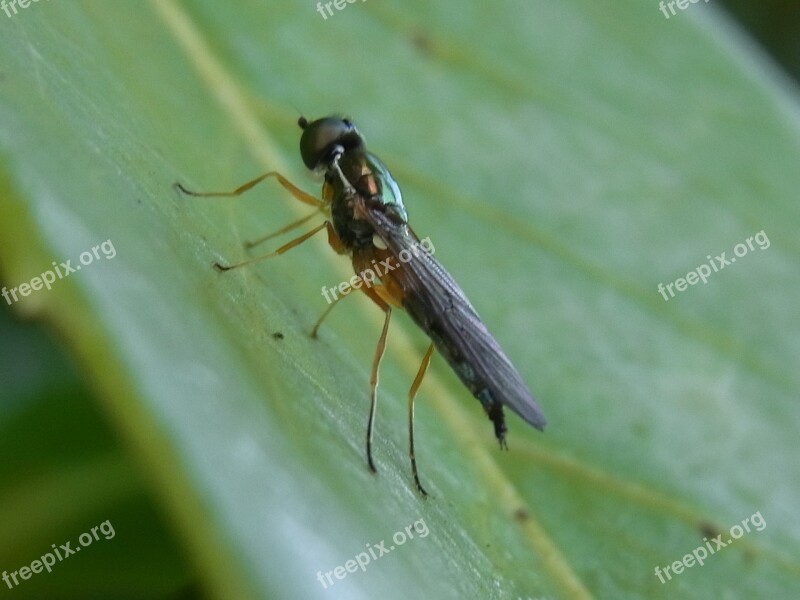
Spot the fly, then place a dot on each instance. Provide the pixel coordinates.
(365, 219)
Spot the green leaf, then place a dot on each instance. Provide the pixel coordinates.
(565, 158)
(63, 474)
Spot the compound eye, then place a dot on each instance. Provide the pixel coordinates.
(321, 136)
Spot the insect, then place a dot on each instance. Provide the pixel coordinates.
(366, 219)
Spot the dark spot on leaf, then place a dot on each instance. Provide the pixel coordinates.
(708, 529)
(422, 42)
(277, 335)
(521, 514)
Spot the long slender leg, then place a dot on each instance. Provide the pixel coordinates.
(327, 311)
(376, 293)
(288, 185)
(325, 314)
(373, 384)
(280, 231)
(288, 246)
(423, 367)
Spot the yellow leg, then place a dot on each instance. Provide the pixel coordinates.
(373, 385)
(288, 246)
(325, 314)
(288, 185)
(280, 231)
(423, 367)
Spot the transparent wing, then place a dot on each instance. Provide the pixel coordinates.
(438, 305)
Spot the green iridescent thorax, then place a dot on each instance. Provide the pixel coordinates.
(389, 188)
(371, 180)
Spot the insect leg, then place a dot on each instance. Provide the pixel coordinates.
(325, 314)
(280, 231)
(423, 367)
(288, 246)
(373, 385)
(288, 185)
(376, 361)
(337, 244)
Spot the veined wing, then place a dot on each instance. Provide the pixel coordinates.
(438, 305)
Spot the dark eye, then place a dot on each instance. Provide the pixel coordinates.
(321, 137)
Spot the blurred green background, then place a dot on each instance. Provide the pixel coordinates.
(71, 462)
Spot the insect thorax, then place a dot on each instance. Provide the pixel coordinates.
(368, 178)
